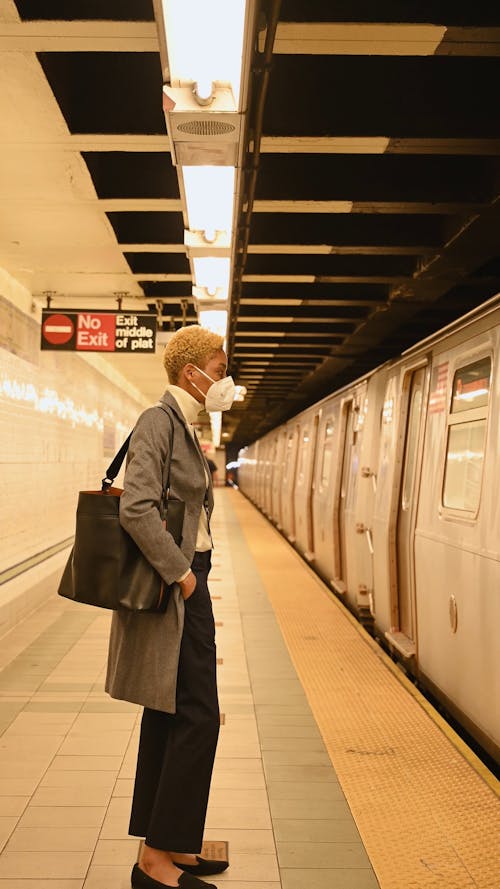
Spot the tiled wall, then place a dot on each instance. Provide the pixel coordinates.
(60, 421)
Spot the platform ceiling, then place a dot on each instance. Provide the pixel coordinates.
(376, 212)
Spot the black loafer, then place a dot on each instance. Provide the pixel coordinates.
(206, 867)
(142, 880)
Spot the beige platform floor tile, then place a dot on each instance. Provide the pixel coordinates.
(100, 877)
(18, 786)
(48, 865)
(41, 884)
(66, 796)
(113, 744)
(238, 748)
(62, 816)
(118, 805)
(116, 852)
(90, 723)
(226, 881)
(33, 747)
(22, 768)
(244, 817)
(229, 763)
(247, 867)
(234, 780)
(13, 805)
(28, 723)
(115, 827)
(220, 797)
(86, 763)
(7, 825)
(78, 779)
(254, 842)
(124, 787)
(53, 839)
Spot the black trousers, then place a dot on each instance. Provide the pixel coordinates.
(176, 752)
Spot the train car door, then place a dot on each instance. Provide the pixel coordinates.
(312, 490)
(407, 505)
(340, 581)
(288, 485)
(277, 477)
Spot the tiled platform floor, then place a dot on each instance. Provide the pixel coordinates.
(67, 751)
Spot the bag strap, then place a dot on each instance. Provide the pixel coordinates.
(116, 463)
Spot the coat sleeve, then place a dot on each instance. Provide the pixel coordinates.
(149, 453)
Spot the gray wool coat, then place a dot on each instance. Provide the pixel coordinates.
(144, 648)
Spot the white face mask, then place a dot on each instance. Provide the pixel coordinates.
(220, 395)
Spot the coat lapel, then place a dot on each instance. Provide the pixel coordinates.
(168, 399)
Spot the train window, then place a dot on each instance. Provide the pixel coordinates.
(327, 454)
(471, 386)
(289, 446)
(411, 446)
(303, 456)
(464, 463)
(467, 436)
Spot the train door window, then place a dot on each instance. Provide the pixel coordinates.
(411, 445)
(326, 464)
(467, 436)
(289, 446)
(304, 451)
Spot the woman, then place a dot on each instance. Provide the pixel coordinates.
(166, 662)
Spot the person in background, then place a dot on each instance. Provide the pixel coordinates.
(167, 662)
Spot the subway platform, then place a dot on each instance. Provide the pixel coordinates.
(332, 772)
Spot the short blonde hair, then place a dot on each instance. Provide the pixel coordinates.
(190, 345)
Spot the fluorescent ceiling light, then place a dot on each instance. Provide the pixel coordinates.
(205, 42)
(209, 198)
(212, 273)
(214, 320)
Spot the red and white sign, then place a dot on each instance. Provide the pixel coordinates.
(98, 331)
(58, 329)
(95, 333)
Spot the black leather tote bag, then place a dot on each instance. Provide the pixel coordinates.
(105, 567)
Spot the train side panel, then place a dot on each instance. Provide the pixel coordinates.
(458, 532)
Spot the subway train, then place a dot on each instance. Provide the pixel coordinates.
(389, 488)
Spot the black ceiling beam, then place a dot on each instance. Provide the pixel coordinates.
(438, 12)
(147, 226)
(376, 177)
(404, 96)
(338, 293)
(158, 263)
(347, 229)
(329, 264)
(132, 174)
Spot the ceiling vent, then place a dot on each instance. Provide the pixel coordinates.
(202, 134)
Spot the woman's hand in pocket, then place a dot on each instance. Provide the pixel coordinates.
(188, 585)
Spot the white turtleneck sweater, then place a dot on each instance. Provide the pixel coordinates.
(190, 409)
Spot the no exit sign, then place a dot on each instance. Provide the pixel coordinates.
(77, 331)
